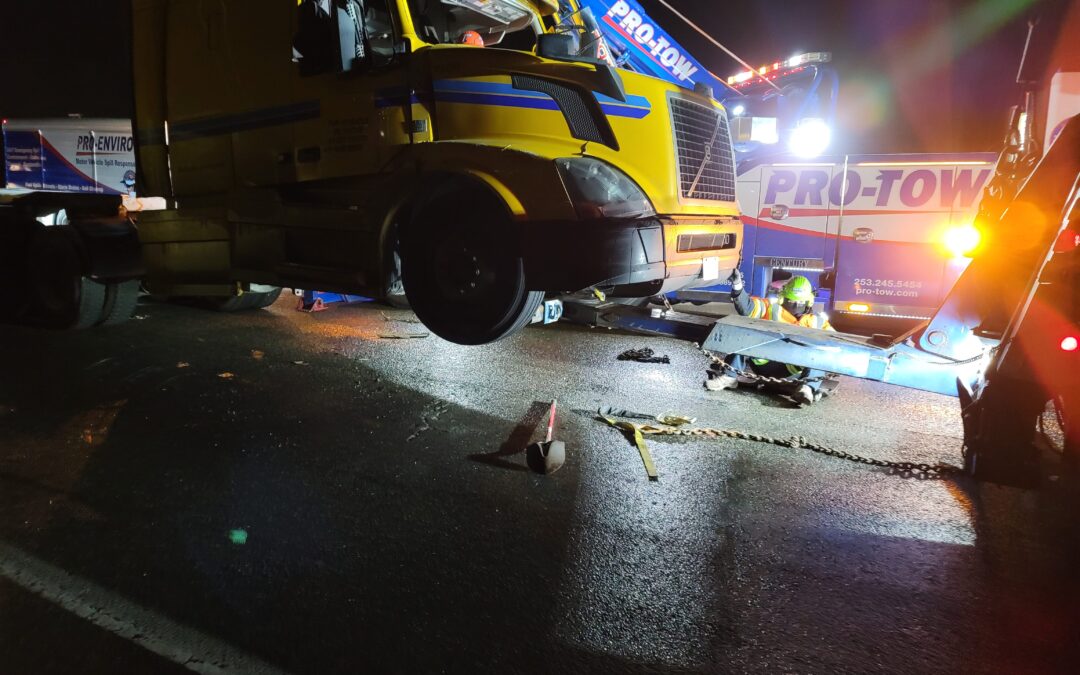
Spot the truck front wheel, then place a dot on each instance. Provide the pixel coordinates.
(463, 272)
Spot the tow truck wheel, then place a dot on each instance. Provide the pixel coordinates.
(1066, 416)
(999, 432)
(466, 279)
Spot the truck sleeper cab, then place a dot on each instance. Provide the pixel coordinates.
(317, 144)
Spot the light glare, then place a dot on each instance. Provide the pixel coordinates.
(961, 240)
(810, 138)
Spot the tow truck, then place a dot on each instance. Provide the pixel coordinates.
(890, 249)
(1006, 339)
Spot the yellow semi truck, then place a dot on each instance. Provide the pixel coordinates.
(365, 146)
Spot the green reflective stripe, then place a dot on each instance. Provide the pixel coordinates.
(759, 362)
(794, 370)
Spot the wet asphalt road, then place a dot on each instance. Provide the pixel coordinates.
(391, 524)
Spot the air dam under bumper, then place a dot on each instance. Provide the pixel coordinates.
(571, 255)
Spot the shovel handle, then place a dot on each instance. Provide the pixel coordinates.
(551, 421)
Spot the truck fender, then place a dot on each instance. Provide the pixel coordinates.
(430, 185)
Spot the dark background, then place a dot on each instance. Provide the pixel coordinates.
(916, 75)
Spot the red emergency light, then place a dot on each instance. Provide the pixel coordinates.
(1067, 241)
(770, 70)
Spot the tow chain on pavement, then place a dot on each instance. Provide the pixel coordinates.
(637, 433)
(763, 379)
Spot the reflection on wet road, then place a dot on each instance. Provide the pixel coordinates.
(292, 492)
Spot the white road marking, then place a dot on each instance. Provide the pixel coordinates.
(180, 644)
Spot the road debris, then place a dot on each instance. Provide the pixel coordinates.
(238, 537)
(182, 364)
(257, 355)
(301, 363)
(99, 421)
(226, 375)
(99, 362)
(399, 319)
(643, 355)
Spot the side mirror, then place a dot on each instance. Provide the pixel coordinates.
(558, 45)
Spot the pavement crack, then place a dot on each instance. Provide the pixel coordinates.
(429, 415)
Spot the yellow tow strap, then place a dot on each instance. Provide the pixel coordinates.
(634, 430)
(670, 423)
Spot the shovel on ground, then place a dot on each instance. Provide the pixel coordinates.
(546, 457)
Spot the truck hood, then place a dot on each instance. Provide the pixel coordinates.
(658, 130)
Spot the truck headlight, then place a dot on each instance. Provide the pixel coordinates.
(599, 190)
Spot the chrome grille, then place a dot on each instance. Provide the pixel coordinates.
(704, 172)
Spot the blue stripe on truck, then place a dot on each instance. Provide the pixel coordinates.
(256, 119)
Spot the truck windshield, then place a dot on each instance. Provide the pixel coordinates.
(467, 21)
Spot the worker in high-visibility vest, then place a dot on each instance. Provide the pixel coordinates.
(795, 305)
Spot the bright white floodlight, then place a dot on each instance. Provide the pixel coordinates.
(809, 138)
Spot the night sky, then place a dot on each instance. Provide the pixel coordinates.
(916, 75)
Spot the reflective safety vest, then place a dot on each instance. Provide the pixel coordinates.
(773, 310)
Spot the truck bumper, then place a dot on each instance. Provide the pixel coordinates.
(691, 244)
(571, 255)
(646, 253)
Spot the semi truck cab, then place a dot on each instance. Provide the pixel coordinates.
(346, 146)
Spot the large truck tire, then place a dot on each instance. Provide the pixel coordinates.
(243, 302)
(466, 281)
(121, 299)
(61, 295)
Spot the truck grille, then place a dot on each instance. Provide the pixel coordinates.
(695, 126)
